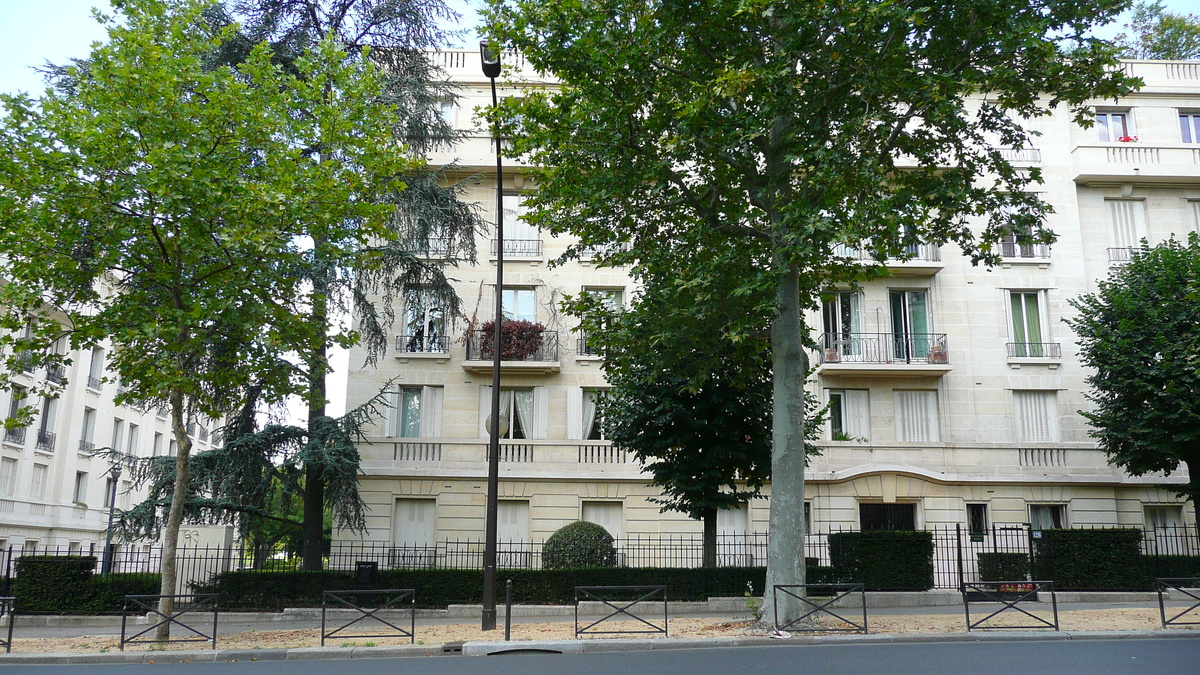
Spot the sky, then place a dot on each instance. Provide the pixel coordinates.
(33, 32)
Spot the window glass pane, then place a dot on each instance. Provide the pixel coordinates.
(519, 304)
(410, 412)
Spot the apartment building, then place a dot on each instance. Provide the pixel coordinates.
(55, 494)
(954, 389)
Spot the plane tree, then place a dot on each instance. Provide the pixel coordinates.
(789, 129)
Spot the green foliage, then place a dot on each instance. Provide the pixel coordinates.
(1156, 33)
(1090, 560)
(1003, 566)
(750, 139)
(67, 585)
(439, 588)
(1139, 335)
(884, 560)
(1172, 566)
(519, 339)
(579, 544)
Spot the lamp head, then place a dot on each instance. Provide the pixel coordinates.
(490, 58)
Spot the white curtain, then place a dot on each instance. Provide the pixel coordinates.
(589, 412)
(524, 403)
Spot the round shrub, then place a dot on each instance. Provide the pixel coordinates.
(579, 544)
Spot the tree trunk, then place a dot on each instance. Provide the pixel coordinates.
(785, 549)
(166, 603)
(710, 538)
(313, 526)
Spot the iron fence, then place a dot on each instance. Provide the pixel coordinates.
(955, 556)
(6, 610)
(820, 599)
(1187, 587)
(181, 605)
(359, 603)
(621, 600)
(1008, 594)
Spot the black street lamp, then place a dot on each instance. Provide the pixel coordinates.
(491, 69)
(115, 473)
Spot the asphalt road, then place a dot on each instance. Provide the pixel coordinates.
(1060, 657)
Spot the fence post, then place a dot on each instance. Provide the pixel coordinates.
(959, 543)
(1029, 539)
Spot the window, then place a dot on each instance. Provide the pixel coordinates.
(1165, 534)
(733, 548)
(1113, 126)
(843, 323)
(612, 300)
(521, 239)
(910, 325)
(1195, 204)
(1127, 227)
(417, 413)
(887, 516)
(8, 476)
(1047, 516)
(1036, 416)
(173, 448)
(108, 491)
(977, 521)
(593, 427)
(849, 414)
(916, 416)
(86, 442)
(1026, 321)
(605, 514)
(133, 440)
(512, 534)
(118, 433)
(37, 487)
(96, 369)
(1011, 247)
(808, 517)
(424, 323)
(446, 110)
(519, 304)
(156, 449)
(1189, 127)
(414, 532)
(79, 495)
(524, 411)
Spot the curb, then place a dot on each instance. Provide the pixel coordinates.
(568, 647)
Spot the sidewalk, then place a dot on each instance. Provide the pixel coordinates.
(296, 634)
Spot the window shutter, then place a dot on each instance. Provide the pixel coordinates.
(392, 423)
(541, 413)
(485, 409)
(574, 413)
(431, 412)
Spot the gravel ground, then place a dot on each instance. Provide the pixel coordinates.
(1126, 619)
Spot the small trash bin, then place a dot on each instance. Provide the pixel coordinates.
(366, 577)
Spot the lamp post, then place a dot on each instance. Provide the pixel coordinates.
(491, 69)
(115, 472)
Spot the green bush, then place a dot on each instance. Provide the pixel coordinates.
(1172, 566)
(438, 588)
(884, 560)
(67, 585)
(1091, 560)
(1003, 567)
(579, 544)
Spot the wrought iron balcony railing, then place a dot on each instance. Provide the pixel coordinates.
(520, 248)
(593, 252)
(86, 447)
(45, 440)
(479, 347)
(585, 349)
(423, 344)
(16, 435)
(55, 374)
(95, 383)
(884, 348)
(1034, 350)
(1120, 254)
(1010, 249)
(915, 252)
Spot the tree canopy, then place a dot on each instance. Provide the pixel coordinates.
(1155, 33)
(785, 130)
(163, 203)
(1140, 335)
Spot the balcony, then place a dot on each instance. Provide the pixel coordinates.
(86, 447)
(1135, 163)
(1120, 255)
(582, 348)
(55, 374)
(924, 259)
(875, 354)
(436, 248)
(15, 436)
(538, 356)
(518, 249)
(1034, 350)
(1014, 252)
(590, 253)
(45, 440)
(95, 383)
(421, 344)
(1021, 156)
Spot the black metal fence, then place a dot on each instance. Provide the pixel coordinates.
(955, 557)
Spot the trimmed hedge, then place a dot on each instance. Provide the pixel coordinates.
(884, 560)
(67, 585)
(1172, 566)
(1091, 560)
(579, 544)
(438, 588)
(1003, 567)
